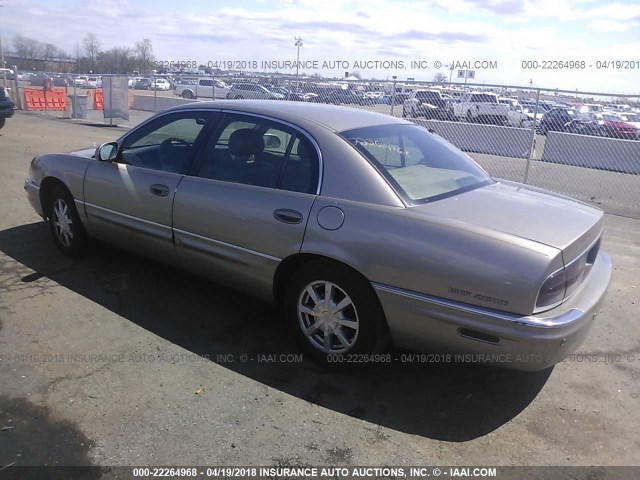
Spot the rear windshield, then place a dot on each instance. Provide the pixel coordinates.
(420, 166)
(429, 97)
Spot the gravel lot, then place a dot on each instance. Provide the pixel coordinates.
(149, 327)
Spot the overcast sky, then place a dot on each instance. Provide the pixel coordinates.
(506, 31)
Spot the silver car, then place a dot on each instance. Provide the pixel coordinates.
(253, 91)
(364, 228)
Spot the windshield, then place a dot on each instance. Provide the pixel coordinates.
(421, 166)
(428, 97)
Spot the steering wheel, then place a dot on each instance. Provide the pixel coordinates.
(168, 160)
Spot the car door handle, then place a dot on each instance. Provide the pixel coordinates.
(159, 190)
(287, 216)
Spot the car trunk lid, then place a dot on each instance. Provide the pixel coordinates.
(525, 212)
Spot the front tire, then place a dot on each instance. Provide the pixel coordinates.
(64, 223)
(333, 311)
(187, 94)
(2, 122)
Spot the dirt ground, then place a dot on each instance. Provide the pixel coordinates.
(118, 360)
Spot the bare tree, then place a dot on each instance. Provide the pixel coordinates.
(116, 60)
(144, 51)
(91, 46)
(26, 47)
(48, 51)
(440, 78)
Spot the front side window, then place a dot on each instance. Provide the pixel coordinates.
(166, 143)
(421, 166)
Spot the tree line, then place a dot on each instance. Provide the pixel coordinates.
(29, 54)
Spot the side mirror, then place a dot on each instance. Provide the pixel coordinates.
(271, 141)
(107, 152)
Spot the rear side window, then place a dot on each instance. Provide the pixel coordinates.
(256, 151)
(480, 98)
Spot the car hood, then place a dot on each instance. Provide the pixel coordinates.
(524, 212)
(87, 152)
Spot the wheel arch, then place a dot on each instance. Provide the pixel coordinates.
(46, 186)
(287, 267)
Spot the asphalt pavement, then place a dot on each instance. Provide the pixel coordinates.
(118, 360)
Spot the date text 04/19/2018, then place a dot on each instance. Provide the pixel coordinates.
(580, 65)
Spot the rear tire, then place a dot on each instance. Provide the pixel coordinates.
(64, 223)
(334, 312)
(2, 122)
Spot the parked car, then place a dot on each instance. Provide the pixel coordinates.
(364, 228)
(591, 108)
(252, 91)
(93, 82)
(556, 119)
(81, 80)
(143, 84)
(518, 116)
(614, 126)
(38, 79)
(286, 93)
(482, 107)
(195, 87)
(63, 80)
(7, 107)
(632, 119)
(343, 96)
(160, 84)
(427, 104)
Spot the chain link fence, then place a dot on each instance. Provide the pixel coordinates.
(582, 144)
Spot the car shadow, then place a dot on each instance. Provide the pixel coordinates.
(442, 401)
(34, 442)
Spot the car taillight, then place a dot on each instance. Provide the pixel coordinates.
(563, 283)
(575, 273)
(552, 290)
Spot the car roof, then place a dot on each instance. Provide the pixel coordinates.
(334, 117)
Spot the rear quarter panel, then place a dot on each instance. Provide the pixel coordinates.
(439, 257)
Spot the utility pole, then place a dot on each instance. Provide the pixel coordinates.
(2, 63)
(298, 44)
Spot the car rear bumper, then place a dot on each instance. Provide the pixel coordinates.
(33, 195)
(466, 333)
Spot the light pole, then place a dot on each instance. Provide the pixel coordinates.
(4, 72)
(298, 44)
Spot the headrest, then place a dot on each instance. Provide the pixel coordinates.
(245, 142)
